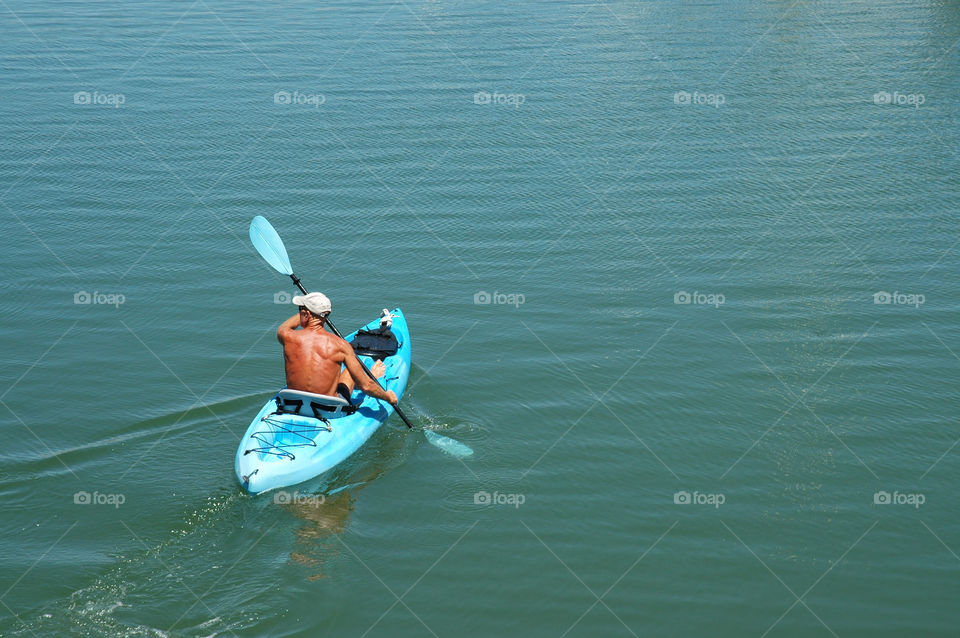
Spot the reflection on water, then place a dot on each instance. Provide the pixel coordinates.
(326, 510)
(324, 516)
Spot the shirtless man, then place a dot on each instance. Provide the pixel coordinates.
(320, 362)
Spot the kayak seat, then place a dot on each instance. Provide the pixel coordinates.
(318, 406)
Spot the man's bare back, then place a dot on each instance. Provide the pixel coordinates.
(323, 363)
(312, 360)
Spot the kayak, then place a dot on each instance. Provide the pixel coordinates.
(299, 435)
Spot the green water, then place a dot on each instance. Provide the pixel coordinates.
(777, 164)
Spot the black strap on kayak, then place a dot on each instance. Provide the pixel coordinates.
(293, 406)
(318, 408)
(290, 406)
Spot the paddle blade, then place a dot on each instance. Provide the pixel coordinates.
(268, 243)
(448, 445)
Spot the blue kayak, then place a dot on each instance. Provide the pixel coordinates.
(298, 435)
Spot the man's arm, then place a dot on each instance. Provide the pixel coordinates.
(288, 326)
(368, 385)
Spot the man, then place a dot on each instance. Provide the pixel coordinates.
(320, 362)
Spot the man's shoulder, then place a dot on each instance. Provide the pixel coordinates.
(325, 339)
(339, 342)
(318, 338)
(285, 334)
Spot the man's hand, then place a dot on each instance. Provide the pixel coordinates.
(368, 385)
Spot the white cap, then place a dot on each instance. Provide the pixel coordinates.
(315, 302)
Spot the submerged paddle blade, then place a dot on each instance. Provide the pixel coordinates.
(268, 243)
(448, 445)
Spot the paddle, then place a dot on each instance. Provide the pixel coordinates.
(268, 243)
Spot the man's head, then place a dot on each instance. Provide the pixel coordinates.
(314, 306)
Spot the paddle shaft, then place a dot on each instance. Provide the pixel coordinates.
(333, 329)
